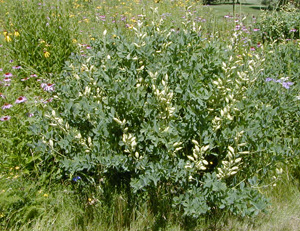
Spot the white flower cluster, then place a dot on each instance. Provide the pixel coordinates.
(230, 166)
(198, 156)
(165, 97)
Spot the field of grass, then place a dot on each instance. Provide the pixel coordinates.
(148, 115)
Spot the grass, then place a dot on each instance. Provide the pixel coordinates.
(59, 208)
(246, 7)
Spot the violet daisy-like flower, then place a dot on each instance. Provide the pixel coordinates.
(24, 79)
(33, 75)
(293, 30)
(5, 118)
(6, 106)
(1, 69)
(2, 96)
(16, 67)
(21, 99)
(48, 86)
(256, 29)
(7, 79)
(8, 75)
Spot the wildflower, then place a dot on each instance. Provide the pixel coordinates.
(6, 106)
(46, 54)
(33, 75)
(48, 101)
(74, 40)
(8, 75)
(16, 33)
(47, 86)
(5, 118)
(269, 79)
(24, 79)
(5, 33)
(30, 115)
(16, 67)
(88, 47)
(7, 79)
(287, 84)
(21, 99)
(45, 195)
(7, 38)
(237, 27)
(293, 30)
(252, 48)
(76, 178)
(256, 29)
(1, 69)
(258, 45)
(2, 96)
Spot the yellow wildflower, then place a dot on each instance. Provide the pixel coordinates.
(16, 33)
(45, 195)
(74, 40)
(7, 38)
(46, 54)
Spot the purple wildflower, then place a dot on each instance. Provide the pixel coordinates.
(269, 79)
(7, 79)
(5, 118)
(76, 178)
(287, 84)
(48, 86)
(256, 29)
(8, 75)
(6, 106)
(21, 99)
(30, 114)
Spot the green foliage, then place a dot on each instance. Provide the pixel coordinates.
(39, 34)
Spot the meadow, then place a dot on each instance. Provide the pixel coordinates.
(149, 115)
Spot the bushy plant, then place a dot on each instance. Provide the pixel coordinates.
(166, 113)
